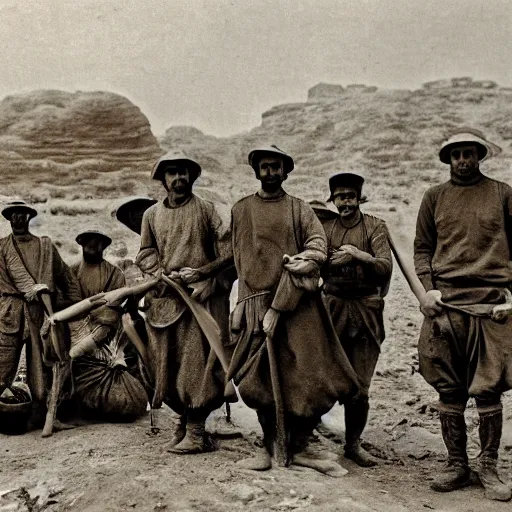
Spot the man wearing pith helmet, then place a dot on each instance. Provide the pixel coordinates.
(356, 275)
(286, 349)
(462, 257)
(183, 237)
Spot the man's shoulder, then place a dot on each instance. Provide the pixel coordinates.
(204, 204)
(150, 212)
(243, 203)
(111, 266)
(373, 220)
(501, 184)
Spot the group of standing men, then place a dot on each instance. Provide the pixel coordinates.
(308, 323)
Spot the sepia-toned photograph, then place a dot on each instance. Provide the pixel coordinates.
(255, 255)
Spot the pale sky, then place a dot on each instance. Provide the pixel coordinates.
(218, 64)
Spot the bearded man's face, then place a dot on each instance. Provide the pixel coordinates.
(271, 173)
(464, 161)
(177, 179)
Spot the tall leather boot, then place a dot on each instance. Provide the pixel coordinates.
(456, 473)
(262, 460)
(490, 429)
(356, 416)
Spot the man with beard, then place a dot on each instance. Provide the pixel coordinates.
(29, 267)
(279, 246)
(356, 277)
(184, 237)
(96, 275)
(462, 257)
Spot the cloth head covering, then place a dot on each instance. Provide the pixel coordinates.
(468, 136)
(257, 154)
(13, 206)
(124, 212)
(345, 180)
(177, 158)
(82, 238)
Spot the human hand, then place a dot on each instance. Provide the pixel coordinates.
(501, 311)
(34, 292)
(356, 253)
(340, 258)
(270, 322)
(299, 265)
(189, 275)
(175, 276)
(432, 305)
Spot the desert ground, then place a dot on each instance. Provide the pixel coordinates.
(75, 168)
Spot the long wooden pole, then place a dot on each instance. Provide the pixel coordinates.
(407, 270)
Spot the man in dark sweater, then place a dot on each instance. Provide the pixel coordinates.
(462, 257)
(356, 277)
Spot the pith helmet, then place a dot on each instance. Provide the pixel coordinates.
(345, 180)
(176, 158)
(130, 212)
(82, 238)
(13, 206)
(257, 154)
(468, 136)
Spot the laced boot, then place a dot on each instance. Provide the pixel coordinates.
(356, 416)
(456, 473)
(194, 441)
(490, 430)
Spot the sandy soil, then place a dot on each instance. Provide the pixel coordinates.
(102, 467)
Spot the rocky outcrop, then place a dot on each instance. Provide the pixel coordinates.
(461, 82)
(69, 127)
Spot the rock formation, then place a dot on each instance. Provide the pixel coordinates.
(69, 127)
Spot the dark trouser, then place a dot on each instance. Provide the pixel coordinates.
(363, 353)
(463, 356)
(299, 430)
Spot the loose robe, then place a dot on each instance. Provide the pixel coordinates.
(314, 370)
(20, 322)
(186, 371)
(354, 291)
(462, 249)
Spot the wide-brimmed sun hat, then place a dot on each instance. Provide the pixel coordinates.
(124, 213)
(257, 154)
(84, 236)
(468, 136)
(177, 158)
(18, 205)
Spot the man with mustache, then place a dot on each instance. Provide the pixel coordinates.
(462, 256)
(279, 246)
(356, 277)
(30, 266)
(184, 237)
